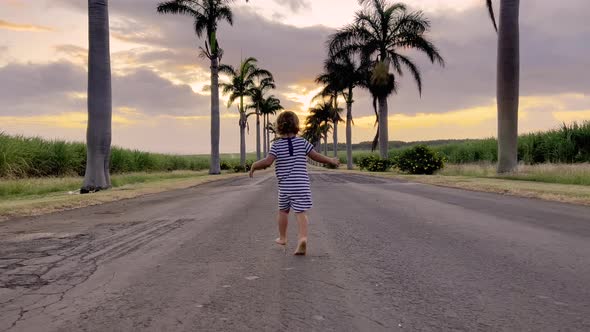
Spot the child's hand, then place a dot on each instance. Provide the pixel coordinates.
(251, 172)
(336, 161)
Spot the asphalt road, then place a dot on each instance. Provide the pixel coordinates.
(383, 256)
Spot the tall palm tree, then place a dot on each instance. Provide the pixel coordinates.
(269, 106)
(242, 80)
(322, 114)
(271, 128)
(380, 82)
(207, 14)
(379, 32)
(331, 91)
(313, 130)
(335, 119)
(508, 80)
(348, 72)
(257, 93)
(98, 135)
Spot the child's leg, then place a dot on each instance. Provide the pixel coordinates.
(283, 221)
(302, 244)
(302, 221)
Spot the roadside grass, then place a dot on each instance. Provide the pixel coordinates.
(10, 189)
(573, 174)
(41, 196)
(566, 193)
(568, 183)
(33, 157)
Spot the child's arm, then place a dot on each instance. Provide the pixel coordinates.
(323, 159)
(262, 164)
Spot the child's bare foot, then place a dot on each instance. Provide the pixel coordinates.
(301, 248)
(280, 241)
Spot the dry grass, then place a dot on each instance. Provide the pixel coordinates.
(526, 183)
(19, 206)
(576, 174)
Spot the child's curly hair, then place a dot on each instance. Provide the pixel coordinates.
(287, 123)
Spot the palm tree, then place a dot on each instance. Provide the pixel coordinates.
(332, 89)
(257, 93)
(313, 130)
(322, 114)
(335, 119)
(207, 14)
(508, 81)
(241, 82)
(98, 135)
(269, 106)
(329, 94)
(271, 128)
(380, 82)
(348, 71)
(379, 32)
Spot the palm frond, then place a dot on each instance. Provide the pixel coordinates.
(228, 70)
(226, 14)
(176, 7)
(491, 11)
(421, 44)
(414, 69)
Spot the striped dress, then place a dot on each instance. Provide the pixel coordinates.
(291, 171)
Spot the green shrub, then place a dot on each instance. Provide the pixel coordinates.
(226, 165)
(239, 169)
(373, 163)
(419, 160)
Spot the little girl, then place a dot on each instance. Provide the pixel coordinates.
(290, 153)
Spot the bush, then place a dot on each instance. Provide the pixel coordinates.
(419, 160)
(374, 164)
(239, 169)
(226, 165)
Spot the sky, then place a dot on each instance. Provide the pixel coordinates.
(159, 103)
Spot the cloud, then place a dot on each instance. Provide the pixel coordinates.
(294, 5)
(552, 58)
(169, 45)
(23, 27)
(151, 94)
(74, 53)
(14, 3)
(42, 89)
(33, 89)
(465, 38)
(158, 72)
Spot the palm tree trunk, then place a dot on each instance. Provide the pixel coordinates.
(268, 131)
(508, 85)
(326, 143)
(98, 134)
(243, 124)
(349, 134)
(383, 130)
(265, 150)
(335, 138)
(335, 121)
(243, 121)
(257, 134)
(215, 167)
